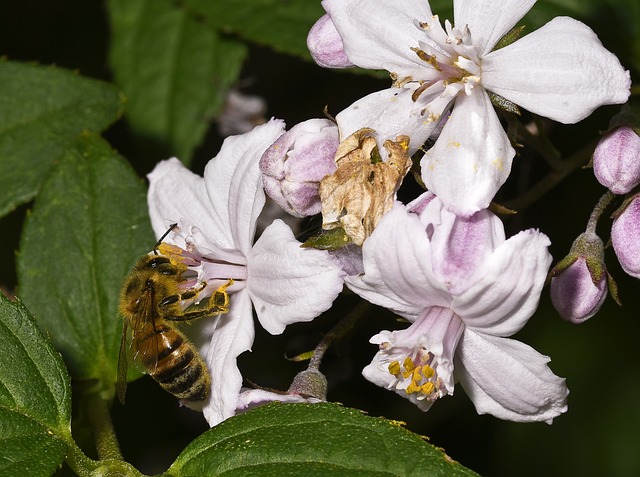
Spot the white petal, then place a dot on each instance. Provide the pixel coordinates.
(472, 157)
(560, 71)
(175, 193)
(389, 112)
(397, 267)
(508, 291)
(509, 379)
(489, 20)
(287, 283)
(252, 398)
(378, 34)
(234, 184)
(233, 334)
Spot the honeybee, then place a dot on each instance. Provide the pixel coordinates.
(151, 302)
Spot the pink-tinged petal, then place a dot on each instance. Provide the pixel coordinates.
(234, 184)
(389, 112)
(509, 379)
(175, 193)
(575, 295)
(325, 45)
(287, 283)
(293, 166)
(489, 20)
(625, 238)
(397, 267)
(378, 34)
(232, 334)
(616, 160)
(472, 157)
(460, 245)
(560, 71)
(508, 291)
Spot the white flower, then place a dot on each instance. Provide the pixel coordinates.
(216, 217)
(560, 71)
(465, 289)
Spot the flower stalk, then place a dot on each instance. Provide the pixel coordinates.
(338, 332)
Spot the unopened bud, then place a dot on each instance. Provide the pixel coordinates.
(579, 283)
(325, 45)
(310, 383)
(625, 237)
(294, 165)
(616, 160)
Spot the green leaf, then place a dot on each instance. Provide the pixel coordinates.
(174, 70)
(42, 109)
(89, 225)
(280, 25)
(35, 397)
(311, 440)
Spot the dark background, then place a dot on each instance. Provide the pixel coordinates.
(600, 359)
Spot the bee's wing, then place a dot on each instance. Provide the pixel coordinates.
(143, 335)
(121, 383)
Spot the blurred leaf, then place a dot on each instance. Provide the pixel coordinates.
(174, 70)
(311, 440)
(281, 25)
(88, 226)
(35, 397)
(42, 109)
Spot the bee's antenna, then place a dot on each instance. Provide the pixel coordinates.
(164, 235)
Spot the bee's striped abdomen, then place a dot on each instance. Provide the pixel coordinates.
(178, 368)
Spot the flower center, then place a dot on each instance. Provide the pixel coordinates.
(452, 66)
(212, 276)
(418, 375)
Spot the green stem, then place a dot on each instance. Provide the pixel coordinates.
(337, 332)
(102, 427)
(82, 466)
(598, 210)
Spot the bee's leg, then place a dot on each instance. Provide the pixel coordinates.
(215, 304)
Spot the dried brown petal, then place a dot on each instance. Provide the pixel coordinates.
(363, 187)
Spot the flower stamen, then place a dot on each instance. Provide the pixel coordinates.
(417, 376)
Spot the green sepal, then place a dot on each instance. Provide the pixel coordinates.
(328, 240)
(613, 289)
(510, 37)
(503, 103)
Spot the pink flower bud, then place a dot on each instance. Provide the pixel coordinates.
(325, 45)
(579, 283)
(616, 160)
(294, 165)
(625, 237)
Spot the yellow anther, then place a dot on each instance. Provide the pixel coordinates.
(412, 388)
(427, 388)
(416, 374)
(428, 371)
(408, 364)
(394, 368)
